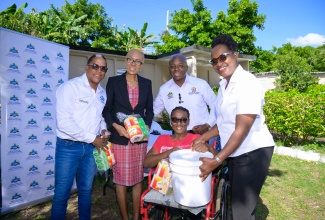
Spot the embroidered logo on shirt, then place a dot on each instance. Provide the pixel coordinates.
(80, 100)
(102, 99)
(170, 95)
(193, 91)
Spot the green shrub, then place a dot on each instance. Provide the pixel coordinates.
(295, 118)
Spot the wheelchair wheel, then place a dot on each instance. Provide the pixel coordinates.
(223, 203)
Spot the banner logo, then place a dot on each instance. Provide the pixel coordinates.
(46, 87)
(15, 165)
(33, 154)
(16, 199)
(46, 73)
(13, 84)
(45, 59)
(14, 100)
(15, 182)
(49, 160)
(14, 116)
(30, 48)
(13, 68)
(13, 52)
(48, 145)
(31, 108)
(14, 132)
(14, 149)
(33, 186)
(30, 64)
(33, 170)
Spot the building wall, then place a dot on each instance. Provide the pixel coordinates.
(157, 70)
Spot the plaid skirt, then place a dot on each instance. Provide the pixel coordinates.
(128, 169)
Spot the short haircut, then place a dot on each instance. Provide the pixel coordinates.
(183, 58)
(182, 109)
(96, 55)
(226, 40)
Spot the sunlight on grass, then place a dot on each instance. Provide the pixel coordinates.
(294, 189)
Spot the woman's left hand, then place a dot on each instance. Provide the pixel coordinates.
(208, 165)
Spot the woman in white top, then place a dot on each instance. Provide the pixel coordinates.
(245, 139)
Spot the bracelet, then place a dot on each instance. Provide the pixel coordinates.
(218, 160)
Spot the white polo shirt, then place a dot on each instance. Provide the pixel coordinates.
(244, 95)
(79, 110)
(195, 94)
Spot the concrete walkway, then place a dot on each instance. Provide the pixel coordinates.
(304, 155)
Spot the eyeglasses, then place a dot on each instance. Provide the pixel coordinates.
(182, 120)
(137, 62)
(180, 98)
(179, 67)
(95, 66)
(221, 58)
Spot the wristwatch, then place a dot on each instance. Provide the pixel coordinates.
(218, 160)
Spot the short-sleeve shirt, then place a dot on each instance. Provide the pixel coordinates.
(195, 94)
(243, 95)
(164, 142)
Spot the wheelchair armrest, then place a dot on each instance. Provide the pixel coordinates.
(150, 174)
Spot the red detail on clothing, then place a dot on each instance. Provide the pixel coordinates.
(133, 95)
(166, 141)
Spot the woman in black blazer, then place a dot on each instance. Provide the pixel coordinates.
(128, 93)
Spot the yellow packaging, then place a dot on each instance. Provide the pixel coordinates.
(161, 180)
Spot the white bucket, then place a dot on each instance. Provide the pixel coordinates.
(188, 188)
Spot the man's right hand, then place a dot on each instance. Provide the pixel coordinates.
(99, 143)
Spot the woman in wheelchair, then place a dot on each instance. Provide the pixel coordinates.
(166, 144)
(180, 139)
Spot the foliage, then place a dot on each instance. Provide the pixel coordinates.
(81, 24)
(264, 61)
(295, 117)
(165, 123)
(294, 70)
(198, 28)
(242, 18)
(124, 40)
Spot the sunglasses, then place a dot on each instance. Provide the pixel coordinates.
(130, 61)
(182, 120)
(221, 58)
(95, 66)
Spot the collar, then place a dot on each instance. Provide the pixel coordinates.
(235, 76)
(188, 79)
(85, 82)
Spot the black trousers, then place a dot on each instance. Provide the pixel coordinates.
(247, 174)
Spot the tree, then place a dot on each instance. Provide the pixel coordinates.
(124, 40)
(293, 69)
(242, 18)
(198, 28)
(264, 61)
(14, 19)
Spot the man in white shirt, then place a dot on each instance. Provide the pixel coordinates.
(190, 92)
(80, 125)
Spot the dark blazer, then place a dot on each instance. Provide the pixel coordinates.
(118, 101)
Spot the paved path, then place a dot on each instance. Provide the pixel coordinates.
(304, 155)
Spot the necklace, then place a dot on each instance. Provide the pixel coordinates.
(132, 82)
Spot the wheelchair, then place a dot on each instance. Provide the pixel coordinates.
(156, 206)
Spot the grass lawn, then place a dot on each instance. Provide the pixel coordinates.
(294, 189)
